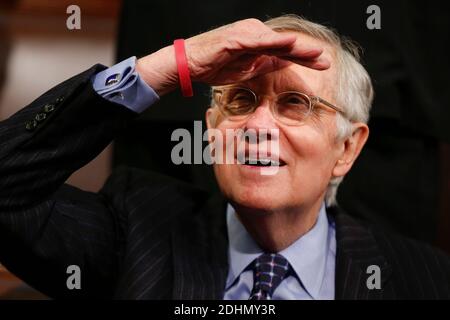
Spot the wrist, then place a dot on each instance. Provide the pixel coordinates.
(159, 70)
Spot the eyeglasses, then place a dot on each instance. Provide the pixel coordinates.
(290, 107)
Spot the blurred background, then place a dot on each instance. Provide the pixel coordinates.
(401, 180)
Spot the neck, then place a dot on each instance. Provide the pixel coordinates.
(276, 230)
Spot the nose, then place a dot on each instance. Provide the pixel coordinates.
(261, 132)
(261, 118)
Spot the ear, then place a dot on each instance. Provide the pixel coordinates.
(209, 117)
(211, 120)
(351, 147)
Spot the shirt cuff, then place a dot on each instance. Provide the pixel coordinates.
(123, 85)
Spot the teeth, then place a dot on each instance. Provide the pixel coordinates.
(262, 162)
(274, 163)
(251, 161)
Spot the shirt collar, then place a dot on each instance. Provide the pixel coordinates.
(307, 255)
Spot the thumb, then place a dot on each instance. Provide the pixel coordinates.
(266, 64)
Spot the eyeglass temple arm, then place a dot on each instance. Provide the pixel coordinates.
(329, 105)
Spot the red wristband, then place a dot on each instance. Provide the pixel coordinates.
(183, 69)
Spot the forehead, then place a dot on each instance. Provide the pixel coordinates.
(300, 78)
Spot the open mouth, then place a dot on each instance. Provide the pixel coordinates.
(264, 162)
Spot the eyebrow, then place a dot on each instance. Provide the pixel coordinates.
(293, 85)
(306, 90)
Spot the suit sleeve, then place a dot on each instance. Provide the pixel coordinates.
(45, 225)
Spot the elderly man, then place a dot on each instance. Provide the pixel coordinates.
(267, 236)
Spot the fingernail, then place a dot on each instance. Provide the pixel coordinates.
(312, 52)
(323, 63)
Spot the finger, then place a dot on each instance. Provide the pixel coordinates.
(257, 38)
(267, 39)
(267, 64)
(264, 40)
(246, 62)
(296, 52)
(320, 63)
(251, 64)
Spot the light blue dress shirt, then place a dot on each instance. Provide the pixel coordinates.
(312, 258)
(123, 85)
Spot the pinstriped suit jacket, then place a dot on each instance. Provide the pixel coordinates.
(147, 236)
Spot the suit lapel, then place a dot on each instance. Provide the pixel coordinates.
(357, 249)
(200, 253)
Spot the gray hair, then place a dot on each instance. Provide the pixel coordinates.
(354, 92)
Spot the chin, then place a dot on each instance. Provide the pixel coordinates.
(254, 191)
(262, 199)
